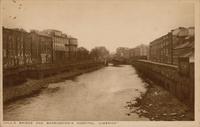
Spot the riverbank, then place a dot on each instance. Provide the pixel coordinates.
(169, 77)
(158, 104)
(34, 86)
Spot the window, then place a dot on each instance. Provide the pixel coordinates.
(4, 53)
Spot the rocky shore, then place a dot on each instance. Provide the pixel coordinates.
(157, 104)
(34, 86)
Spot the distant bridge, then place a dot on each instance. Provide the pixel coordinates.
(117, 61)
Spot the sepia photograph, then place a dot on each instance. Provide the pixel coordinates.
(101, 63)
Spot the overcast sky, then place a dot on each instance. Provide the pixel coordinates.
(110, 23)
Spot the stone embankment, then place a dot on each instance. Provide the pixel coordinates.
(170, 95)
(32, 86)
(170, 78)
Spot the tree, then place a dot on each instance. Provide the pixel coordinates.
(82, 53)
(123, 52)
(99, 53)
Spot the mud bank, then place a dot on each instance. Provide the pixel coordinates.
(33, 86)
(158, 104)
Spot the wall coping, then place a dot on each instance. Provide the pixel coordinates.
(160, 64)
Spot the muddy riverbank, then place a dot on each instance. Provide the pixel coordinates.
(33, 86)
(158, 104)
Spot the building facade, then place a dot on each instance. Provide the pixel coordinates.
(16, 49)
(60, 45)
(160, 50)
(73, 44)
(41, 47)
(139, 52)
(170, 47)
(183, 43)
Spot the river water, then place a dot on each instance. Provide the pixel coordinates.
(96, 96)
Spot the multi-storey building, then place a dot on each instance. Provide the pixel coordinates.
(139, 52)
(132, 53)
(170, 47)
(41, 47)
(73, 43)
(161, 49)
(14, 51)
(36, 47)
(183, 43)
(60, 45)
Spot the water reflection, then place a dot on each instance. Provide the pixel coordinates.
(99, 95)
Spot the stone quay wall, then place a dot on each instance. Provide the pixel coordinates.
(169, 77)
(42, 77)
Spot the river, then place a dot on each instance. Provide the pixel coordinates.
(96, 96)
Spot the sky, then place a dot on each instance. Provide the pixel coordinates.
(109, 23)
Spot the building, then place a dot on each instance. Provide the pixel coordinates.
(16, 49)
(141, 51)
(160, 50)
(73, 44)
(41, 47)
(170, 47)
(183, 44)
(60, 45)
(132, 53)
